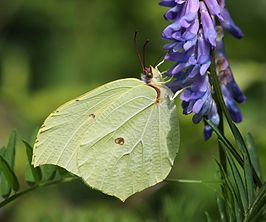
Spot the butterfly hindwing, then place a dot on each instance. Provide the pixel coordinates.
(131, 145)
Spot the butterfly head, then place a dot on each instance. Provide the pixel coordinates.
(151, 75)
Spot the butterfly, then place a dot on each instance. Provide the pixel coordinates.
(120, 138)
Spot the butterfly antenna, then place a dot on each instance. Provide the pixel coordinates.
(137, 50)
(144, 51)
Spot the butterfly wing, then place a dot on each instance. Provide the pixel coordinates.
(60, 135)
(131, 145)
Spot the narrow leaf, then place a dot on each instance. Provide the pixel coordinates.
(238, 212)
(9, 174)
(4, 186)
(227, 143)
(208, 216)
(233, 151)
(49, 172)
(62, 172)
(10, 152)
(9, 155)
(239, 182)
(249, 178)
(221, 207)
(28, 176)
(231, 191)
(2, 151)
(35, 171)
(252, 150)
(258, 206)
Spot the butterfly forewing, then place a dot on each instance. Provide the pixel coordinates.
(60, 135)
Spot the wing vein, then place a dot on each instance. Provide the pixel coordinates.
(71, 137)
(60, 156)
(122, 124)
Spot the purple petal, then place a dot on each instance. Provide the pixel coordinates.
(168, 3)
(192, 31)
(197, 118)
(190, 44)
(185, 96)
(236, 92)
(194, 71)
(198, 105)
(203, 50)
(214, 8)
(204, 68)
(207, 132)
(208, 25)
(229, 25)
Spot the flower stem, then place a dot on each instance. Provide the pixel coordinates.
(220, 102)
(43, 184)
(222, 155)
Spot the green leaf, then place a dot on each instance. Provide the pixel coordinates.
(3, 182)
(36, 173)
(222, 210)
(62, 172)
(231, 191)
(208, 216)
(48, 172)
(9, 155)
(258, 206)
(10, 152)
(249, 178)
(233, 151)
(9, 174)
(252, 150)
(28, 176)
(226, 143)
(238, 182)
(238, 212)
(2, 151)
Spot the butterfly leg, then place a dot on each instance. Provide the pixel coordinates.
(160, 63)
(172, 98)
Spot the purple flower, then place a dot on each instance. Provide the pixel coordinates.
(230, 89)
(192, 35)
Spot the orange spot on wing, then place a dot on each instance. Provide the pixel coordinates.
(92, 115)
(120, 141)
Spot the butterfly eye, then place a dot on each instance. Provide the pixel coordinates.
(149, 75)
(148, 72)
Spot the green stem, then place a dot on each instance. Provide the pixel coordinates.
(238, 137)
(222, 155)
(221, 103)
(43, 184)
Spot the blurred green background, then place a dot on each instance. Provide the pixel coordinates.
(52, 51)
